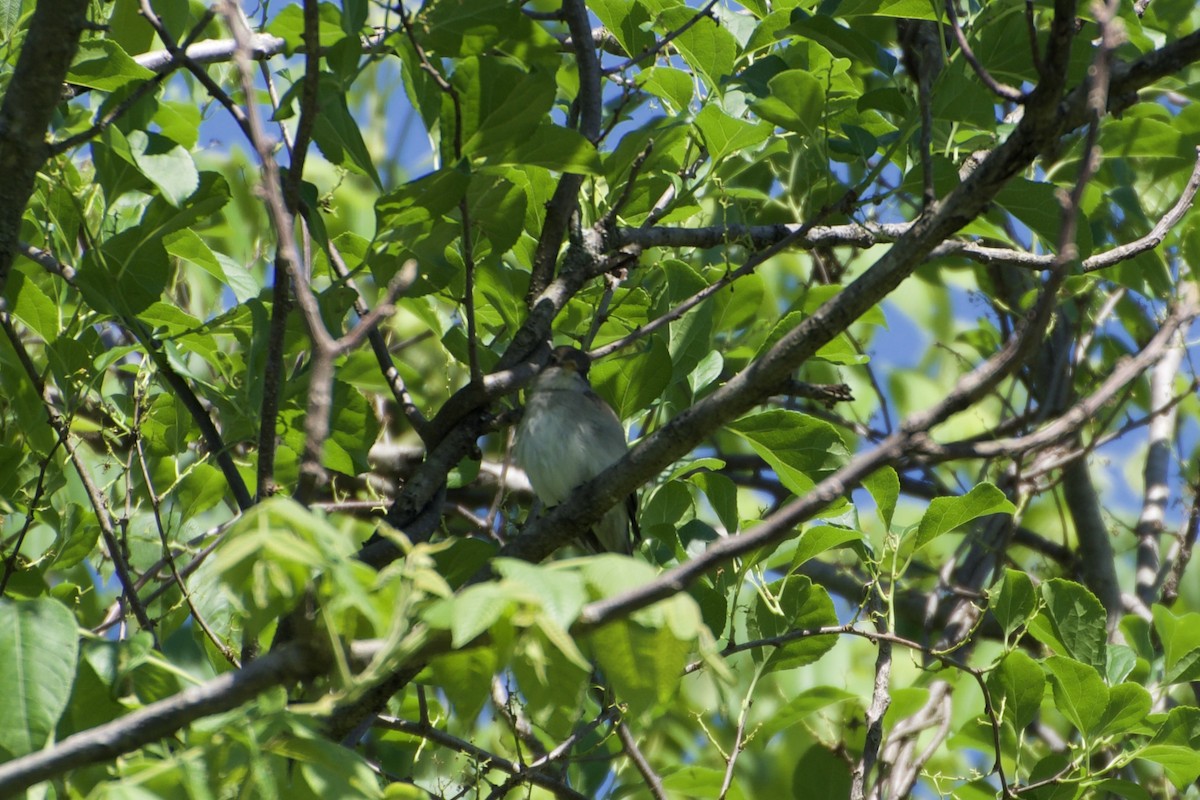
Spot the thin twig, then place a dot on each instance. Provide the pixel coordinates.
(486, 759)
(881, 698)
(168, 556)
(383, 355)
(468, 254)
(739, 736)
(1004, 91)
(1183, 553)
(704, 12)
(10, 562)
(95, 496)
(649, 776)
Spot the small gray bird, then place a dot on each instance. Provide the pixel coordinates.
(568, 436)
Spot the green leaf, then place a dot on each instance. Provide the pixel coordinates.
(458, 559)
(821, 774)
(801, 449)
(288, 25)
(706, 372)
(317, 768)
(707, 47)
(502, 105)
(796, 102)
(40, 645)
(32, 306)
(199, 490)
(698, 781)
(269, 557)
(178, 121)
(1012, 600)
(725, 135)
(476, 609)
(1176, 746)
(126, 275)
(1017, 685)
(336, 132)
(409, 226)
(353, 427)
(819, 538)
(165, 164)
(458, 28)
(609, 574)
(1181, 762)
(1079, 692)
(669, 504)
(1180, 636)
(840, 40)
(802, 706)
(628, 22)
(497, 208)
(186, 245)
(1036, 204)
(1122, 660)
(795, 604)
(904, 9)
(354, 16)
(161, 218)
(78, 532)
(10, 15)
(722, 496)
(421, 200)
(553, 147)
(1073, 622)
(552, 684)
(673, 86)
(644, 664)
(840, 350)
(102, 64)
(947, 513)
(634, 378)
(1121, 788)
(690, 338)
(466, 678)
(1128, 705)
(884, 486)
(557, 589)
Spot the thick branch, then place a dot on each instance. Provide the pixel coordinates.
(294, 662)
(30, 100)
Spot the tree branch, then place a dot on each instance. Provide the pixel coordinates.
(294, 662)
(30, 101)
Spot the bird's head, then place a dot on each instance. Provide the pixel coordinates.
(566, 369)
(571, 359)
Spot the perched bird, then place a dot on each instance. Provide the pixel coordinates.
(568, 436)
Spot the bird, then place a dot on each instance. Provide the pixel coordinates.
(569, 435)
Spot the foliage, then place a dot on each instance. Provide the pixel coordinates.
(893, 297)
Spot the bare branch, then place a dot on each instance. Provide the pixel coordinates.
(1156, 492)
(653, 782)
(1183, 551)
(881, 698)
